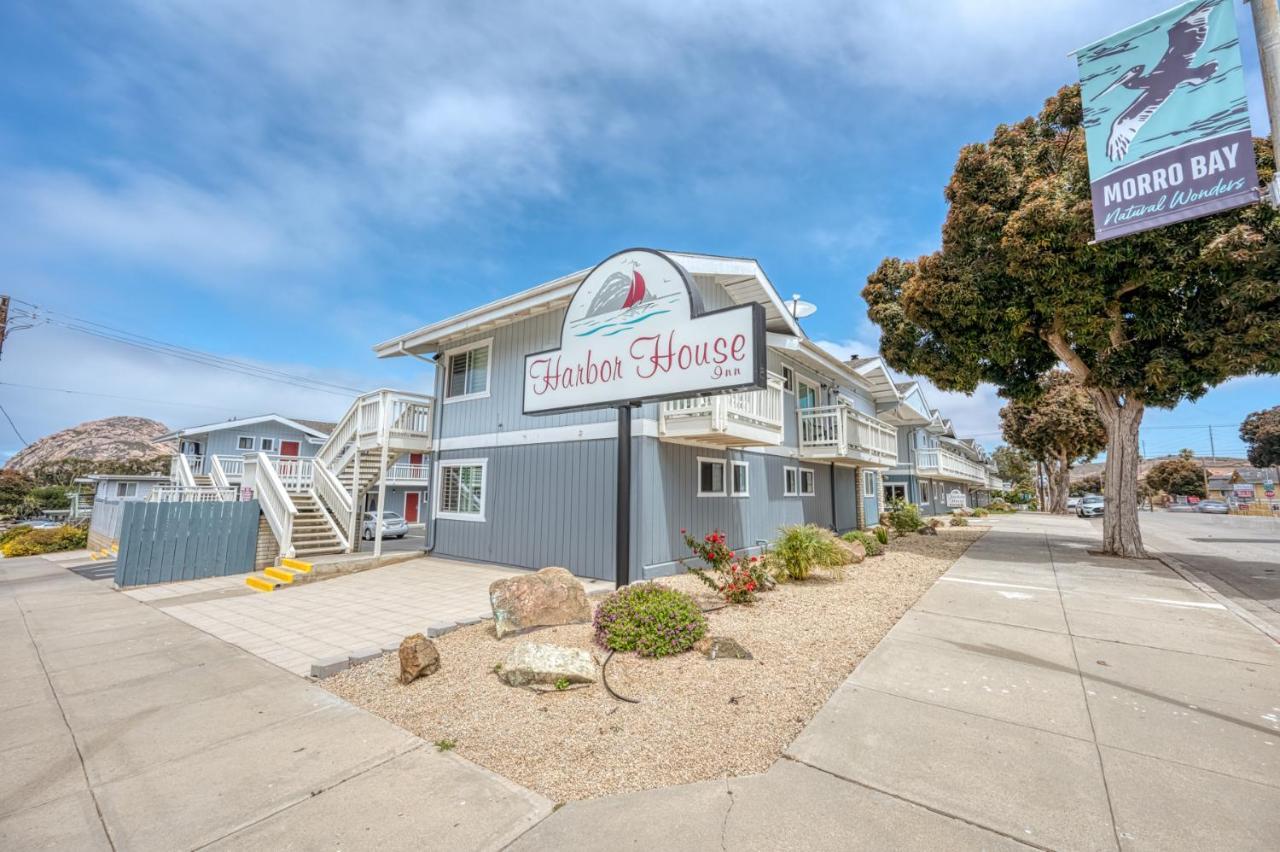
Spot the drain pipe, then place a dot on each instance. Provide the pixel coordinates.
(430, 543)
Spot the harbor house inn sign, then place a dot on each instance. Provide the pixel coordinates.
(636, 332)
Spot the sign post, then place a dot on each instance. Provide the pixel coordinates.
(636, 332)
(1167, 120)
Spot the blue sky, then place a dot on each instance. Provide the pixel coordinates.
(291, 182)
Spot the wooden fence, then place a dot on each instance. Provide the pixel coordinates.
(165, 542)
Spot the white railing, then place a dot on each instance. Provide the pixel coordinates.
(407, 472)
(180, 471)
(946, 463)
(190, 494)
(761, 409)
(329, 492)
(296, 473)
(842, 430)
(232, 466)
(217, 474)
(276, 504)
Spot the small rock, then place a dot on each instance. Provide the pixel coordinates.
(418, 657)
(548, 597)
(854, 551)
(928, 531)
(721, 648)
(535, 663)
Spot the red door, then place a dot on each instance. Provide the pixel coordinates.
(288, 448)
(411, 499)
(415, 458)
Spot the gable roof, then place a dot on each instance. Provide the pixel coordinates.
(314, 428)
(741, 277)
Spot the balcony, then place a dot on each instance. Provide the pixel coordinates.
(404, 473)
(945, 464)
(399, 419)
(750, 418)
(840, 431)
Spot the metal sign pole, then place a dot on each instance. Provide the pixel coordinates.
(1266, 27)
(622, 542)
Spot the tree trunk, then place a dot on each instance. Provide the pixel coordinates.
(1121, 535)
(1059, 484)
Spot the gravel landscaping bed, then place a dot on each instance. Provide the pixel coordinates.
(697, 719)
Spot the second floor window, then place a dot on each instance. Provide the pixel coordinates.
(806, 395)
(467, 373)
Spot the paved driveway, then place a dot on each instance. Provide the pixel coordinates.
(295, 627)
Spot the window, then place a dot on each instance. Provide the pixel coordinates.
(895, 492)
(244, 442)
(806, 394)
(461, 490)
(788, 379)
(126, 489)
(806, 482)
(268, 445)
(868, 482)
(740, 474)
(790, 482)
(467, 372)
(710, 478)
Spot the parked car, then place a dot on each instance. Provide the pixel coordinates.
(1090, 506)
(393, 526)
(1213, 507)
(1073, 502)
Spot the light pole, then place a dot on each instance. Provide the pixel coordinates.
(1266, 27)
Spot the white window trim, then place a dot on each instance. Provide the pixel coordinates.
(787, 368)
(813, 482)
(734, 465)
(724, 482)
(252, 443)
(263, 445)
(869, 476)
(794, 492)
(127, 487)
(484, 490)
(487, 343)
(811, 382)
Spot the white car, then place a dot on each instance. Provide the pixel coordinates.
(1073, 502)
(393, 526)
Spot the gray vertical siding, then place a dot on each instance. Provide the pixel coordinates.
(223, 441)
(847, 488)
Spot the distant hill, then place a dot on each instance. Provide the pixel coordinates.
(1217, 465)
(110, 445)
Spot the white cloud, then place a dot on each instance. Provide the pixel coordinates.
(113, 379)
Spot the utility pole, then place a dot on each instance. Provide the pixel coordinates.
(1213, 453)
(4, 320)
(1266, 27)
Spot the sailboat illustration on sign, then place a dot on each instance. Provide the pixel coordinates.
(623, 301)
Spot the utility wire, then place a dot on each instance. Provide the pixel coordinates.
(117, 396)
(13, 427)
(150, 344)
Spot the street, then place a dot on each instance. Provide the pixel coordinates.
(1238, 556)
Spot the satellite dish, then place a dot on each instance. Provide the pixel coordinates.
(799, 308)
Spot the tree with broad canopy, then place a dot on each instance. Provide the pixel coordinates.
(1261, 434)
(1017, 289)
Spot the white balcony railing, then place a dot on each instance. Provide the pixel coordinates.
(232, 467)
(402, 472)
(190, 494)
(944, 463)
(295, 473)
(749, 417)
(841, 431)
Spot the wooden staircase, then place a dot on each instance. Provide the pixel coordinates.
(313, 533)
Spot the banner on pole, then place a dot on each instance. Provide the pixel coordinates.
(1167, 120)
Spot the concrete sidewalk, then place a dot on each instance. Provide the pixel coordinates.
(121, 727)
(1036, 696)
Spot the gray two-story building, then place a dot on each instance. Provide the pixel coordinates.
(537, 490)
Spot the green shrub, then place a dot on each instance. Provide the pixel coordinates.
(650, 619)
(804, 547)
(14, 532)
(50, 497)
(980, 512)
(873, 546)
(881, 534)
(904, 517)
(959, 521)
(999, 506)
(36, 542)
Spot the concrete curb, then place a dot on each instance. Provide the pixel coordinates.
(1187, 573)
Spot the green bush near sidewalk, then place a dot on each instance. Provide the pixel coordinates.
(33, 542)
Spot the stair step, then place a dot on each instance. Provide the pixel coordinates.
(261, 584)
(296, 565)
(284, 575)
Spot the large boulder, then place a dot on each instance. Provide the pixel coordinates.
(418, 657)
(541, 599)
(852, 552)
(532, 663)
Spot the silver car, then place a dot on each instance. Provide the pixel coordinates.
(1091, 506)
(393, 526)
(1213, 507)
